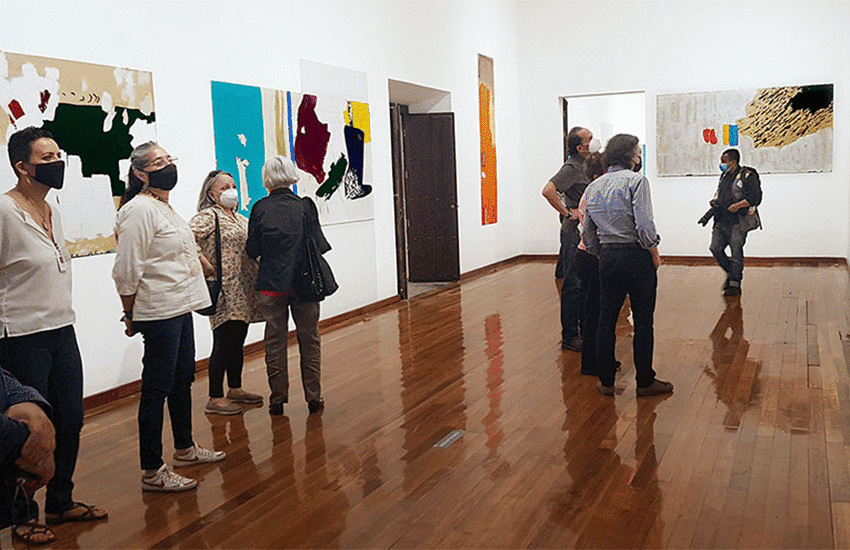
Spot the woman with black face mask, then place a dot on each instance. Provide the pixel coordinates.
(38, 344)
(160, 281)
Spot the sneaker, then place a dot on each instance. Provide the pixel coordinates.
(725, 284)
(238, 395)
(224, 406)
(196, 455)
(732, 291)
(656, 388)
(316, 405)
(166, 481)
(574, 344)
(605, 390)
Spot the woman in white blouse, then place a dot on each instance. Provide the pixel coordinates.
(37, 340)
(159, 278)
(237, 304)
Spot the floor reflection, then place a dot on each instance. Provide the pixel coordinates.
(432, 372)
(495, 379)
(735, 376)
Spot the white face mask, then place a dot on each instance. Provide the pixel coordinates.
(229, 199)
(595, 145)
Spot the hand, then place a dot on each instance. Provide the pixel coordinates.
(129, 329)
(37, 453)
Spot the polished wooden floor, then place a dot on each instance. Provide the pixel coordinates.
(752, 450)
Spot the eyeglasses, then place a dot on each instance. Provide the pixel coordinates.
(160, 162)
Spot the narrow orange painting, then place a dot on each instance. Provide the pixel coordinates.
(487, 126)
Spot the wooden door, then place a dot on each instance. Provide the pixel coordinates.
(430, 197)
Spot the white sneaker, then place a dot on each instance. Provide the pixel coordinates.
(196, 455)
(166, 481)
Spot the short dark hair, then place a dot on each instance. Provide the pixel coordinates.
(733, 154)
(20, 144)
(593, 166)
(574, 139)
(620, 150)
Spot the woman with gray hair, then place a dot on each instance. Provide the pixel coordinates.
(276, 236)
(237, 303)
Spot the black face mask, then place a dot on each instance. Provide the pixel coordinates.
(51, 174)
(638, 166)
(164, 178)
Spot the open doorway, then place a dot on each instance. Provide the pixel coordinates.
(606, 115)
(425, 188)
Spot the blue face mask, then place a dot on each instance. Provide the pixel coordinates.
(724, 167)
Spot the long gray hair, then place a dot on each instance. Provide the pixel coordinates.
(138, 160)
(204, 200)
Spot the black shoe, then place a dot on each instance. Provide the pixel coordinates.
(725, 284)
(732, 291)
(574, 344)
(589, 372)
(316, 405)
(276, 409)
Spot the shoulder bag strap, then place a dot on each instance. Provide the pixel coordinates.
(217, 248)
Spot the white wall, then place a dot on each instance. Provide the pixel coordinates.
(571, 48)
(187, 44)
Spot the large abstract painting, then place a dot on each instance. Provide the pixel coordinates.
(487, 129)
(787, 129)
(328, 139)
(97, 115)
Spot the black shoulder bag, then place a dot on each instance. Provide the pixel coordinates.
(314, 280)
(214, 286)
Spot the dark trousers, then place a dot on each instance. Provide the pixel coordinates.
(168, 370)
(50, 362)
(587, 267)
(227, 356)
(571, 295)
(734, 237)
(625, 271)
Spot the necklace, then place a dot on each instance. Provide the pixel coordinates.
(44, 219)
(157, 197)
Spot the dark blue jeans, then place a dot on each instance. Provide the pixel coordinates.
(625, 271)
(734, 237)
(50, 362)
(571, 295)
(168, 372)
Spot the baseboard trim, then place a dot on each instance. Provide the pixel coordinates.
(350, 317)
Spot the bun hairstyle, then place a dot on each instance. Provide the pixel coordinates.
(138, 160)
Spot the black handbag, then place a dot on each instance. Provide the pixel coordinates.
(314, 280)
(214, 286)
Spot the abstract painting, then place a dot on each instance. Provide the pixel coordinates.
(328, 139)
(97, 114)
(777, 130)
(487, 129)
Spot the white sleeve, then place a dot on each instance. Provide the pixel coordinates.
(135, 229)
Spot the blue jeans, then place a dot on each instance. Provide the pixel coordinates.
(571, 292)
(733, 236)
(624, 271)
(168, 372)
(50, 362)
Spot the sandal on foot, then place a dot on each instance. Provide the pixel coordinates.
(26, 531)
(90, 514)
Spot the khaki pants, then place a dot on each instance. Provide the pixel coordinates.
(275, 310)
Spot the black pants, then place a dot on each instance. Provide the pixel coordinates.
(50, 362)
(587, 267)
(168, 370)
(627, 270)
(227, 356)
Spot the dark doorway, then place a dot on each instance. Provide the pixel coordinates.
(426, 197)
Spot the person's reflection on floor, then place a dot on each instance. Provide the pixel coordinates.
(230, 435)
(735, 376)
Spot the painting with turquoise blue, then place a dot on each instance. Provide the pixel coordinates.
(328, 139)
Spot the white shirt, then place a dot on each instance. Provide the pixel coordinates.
(157, 260)
(35, 273)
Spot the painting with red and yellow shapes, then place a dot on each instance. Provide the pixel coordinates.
(487, 126)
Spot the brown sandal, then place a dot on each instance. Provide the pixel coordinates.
(26, 531)
(91, 514)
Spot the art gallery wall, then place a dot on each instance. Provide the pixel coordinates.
(689, 46)
(187, 44)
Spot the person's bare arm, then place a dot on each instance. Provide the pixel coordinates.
(550, 193)
(37, 453)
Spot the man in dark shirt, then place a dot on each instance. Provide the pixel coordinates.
(738, 194)
(564, 192)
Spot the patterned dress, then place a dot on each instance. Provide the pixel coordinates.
(238, 298)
